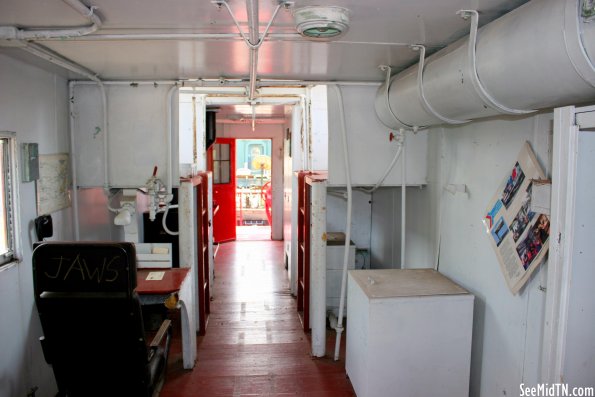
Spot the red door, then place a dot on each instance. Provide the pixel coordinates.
(221, 161)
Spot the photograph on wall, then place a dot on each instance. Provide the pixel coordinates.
(519, 236)
(513, 183)
(523, 217)
(499, 231)
(529, 248)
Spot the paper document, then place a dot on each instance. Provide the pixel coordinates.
(155, 276)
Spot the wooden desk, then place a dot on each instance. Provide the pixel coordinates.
(171, 282)
(175, 280)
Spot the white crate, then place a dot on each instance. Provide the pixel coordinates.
(408, 334)
(153, 255)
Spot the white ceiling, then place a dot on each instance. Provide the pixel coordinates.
(355, 57)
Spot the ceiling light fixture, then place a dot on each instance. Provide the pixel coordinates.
(321, 23)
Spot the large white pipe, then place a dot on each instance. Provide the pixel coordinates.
(170, 134)
(203, 85)
(106, 168)
(148, 36)
(253, 40)
(537, 56)
(339, 327)
(14, 33)
(252, 12)
(75, 193)
(390, 167)
(403, 201)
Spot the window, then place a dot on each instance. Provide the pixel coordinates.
(221, 163)
(7, 212)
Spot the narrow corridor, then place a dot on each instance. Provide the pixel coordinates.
(254, 345)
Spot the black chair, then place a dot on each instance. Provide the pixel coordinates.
(91, 318)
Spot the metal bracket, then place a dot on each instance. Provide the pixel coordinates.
(588, 11)
(420, 88)
(388, 70)
(574, 46)
(479, 88)
(286, 4)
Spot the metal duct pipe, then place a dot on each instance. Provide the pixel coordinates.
(14, 33)
(540, 55)
(253, 41)
(252, 12)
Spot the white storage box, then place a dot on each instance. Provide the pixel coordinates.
(153, 255)
(408, 334)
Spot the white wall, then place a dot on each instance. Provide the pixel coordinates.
(336, 214)
(421, 221)
(34, 104)
(137, 134)
(369, 147)
(370, 152)
(507, 333)
(318, 127)
(187, 129)
(263, 131)
(96, 223)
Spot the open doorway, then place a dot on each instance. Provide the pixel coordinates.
(253, 189)
(277, 112)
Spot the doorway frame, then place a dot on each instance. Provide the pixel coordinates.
(272, 174)
(567, 127)
(292, 96)
(243, 131)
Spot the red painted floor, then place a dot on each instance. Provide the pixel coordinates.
(254, 344)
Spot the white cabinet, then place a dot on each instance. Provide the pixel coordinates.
(408, 334)
(335, 250)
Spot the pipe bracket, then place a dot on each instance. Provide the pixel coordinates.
(420, 88)
(575, 48)
(477, 84)
(385, 91)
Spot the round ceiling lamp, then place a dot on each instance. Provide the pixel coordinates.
(321, 23)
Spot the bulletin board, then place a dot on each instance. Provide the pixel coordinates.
(519, 236)
(53, 185)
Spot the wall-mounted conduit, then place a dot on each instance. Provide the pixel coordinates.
(539, 56)
(253, 41)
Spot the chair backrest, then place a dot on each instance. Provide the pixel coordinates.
(91, 317)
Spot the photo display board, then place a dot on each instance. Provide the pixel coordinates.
(519, 236)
